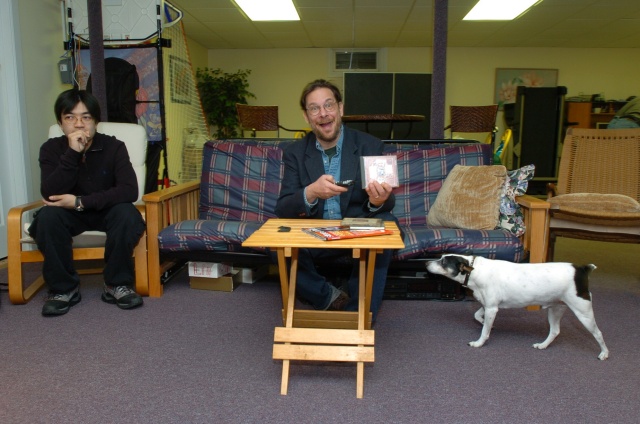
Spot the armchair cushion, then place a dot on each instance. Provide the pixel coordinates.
(469, 198)
(591, 208)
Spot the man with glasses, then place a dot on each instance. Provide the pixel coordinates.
(87, 183)
(312, 166)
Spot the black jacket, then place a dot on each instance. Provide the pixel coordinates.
(105, 177)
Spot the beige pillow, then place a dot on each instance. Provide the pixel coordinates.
(469, 198)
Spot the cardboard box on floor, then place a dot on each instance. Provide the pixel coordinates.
(251, 275)
(226, 283)
(209, 269)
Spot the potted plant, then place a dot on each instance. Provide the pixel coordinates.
(219, 93)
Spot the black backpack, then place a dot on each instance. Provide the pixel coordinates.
(122, 83)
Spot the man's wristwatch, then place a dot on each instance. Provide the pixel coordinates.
(79, 206)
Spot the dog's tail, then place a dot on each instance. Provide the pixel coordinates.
(581, 279)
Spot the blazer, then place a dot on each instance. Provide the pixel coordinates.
(303, 165)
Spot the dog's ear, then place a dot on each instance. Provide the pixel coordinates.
(464, 267)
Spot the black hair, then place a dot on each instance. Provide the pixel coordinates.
(314, 85)
(68, 100)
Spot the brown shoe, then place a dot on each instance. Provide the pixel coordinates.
(339, 303)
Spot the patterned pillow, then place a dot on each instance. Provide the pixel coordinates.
(511, 217)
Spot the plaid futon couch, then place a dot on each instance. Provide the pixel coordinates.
(240, 184)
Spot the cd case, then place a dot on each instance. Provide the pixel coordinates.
(383, 169)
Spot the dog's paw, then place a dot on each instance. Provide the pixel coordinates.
(476, 343)
(540, 345)
(603, 355)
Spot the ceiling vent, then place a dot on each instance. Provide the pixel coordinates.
(363, 60)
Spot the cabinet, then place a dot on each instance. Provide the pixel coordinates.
(591, 114)
(384, 93)
(537, 130)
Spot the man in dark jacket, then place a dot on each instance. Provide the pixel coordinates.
(87, 183)
(312, 166)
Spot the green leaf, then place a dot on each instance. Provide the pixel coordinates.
(219, 93)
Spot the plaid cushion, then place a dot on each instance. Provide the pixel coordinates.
(421, 173)
(241, 179)
(423, 241)
(202, 235)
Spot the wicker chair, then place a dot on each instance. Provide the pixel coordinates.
(596, 196)
(474, 119)
(261, 118)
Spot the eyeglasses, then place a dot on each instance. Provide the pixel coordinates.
(329, 106)
(72, 119)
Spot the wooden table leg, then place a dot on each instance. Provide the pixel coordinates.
(290, 303)
(325, 344)
(284, 384)
(360, 380)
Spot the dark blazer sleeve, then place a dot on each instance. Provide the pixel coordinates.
(302, 166)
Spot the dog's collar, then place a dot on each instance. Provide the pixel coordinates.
(466, 279)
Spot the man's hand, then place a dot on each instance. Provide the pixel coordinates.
(378, 193)
(324, 188)
(61, 200)
(78, 140)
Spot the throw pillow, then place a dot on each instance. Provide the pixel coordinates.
(516, 184)
(469, 198)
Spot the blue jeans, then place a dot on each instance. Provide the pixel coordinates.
(622, 123)
(54, 227)
(314, 288)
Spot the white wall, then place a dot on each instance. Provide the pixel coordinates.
(42, 45)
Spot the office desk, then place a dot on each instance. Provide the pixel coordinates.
(312, 335)
(391, 118)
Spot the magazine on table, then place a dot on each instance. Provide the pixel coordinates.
(383, 169)
(341, 232)
(363, 223)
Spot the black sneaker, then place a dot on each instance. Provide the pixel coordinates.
(60, 303)
(123, 296)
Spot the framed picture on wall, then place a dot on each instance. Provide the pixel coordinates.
(508, 80)
(180, 74)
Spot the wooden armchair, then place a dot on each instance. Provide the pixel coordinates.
(598, 189)
(170, 205)
(473, 119)
(88, 245)
(260, 118)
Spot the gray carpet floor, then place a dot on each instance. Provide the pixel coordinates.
(197, 356)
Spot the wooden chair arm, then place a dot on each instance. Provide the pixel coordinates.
(552, 190)
(20, 209)
(170, 192)
(536, 216)
(163, 208)
(14, 220)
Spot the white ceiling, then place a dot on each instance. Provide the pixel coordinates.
(219, 24)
